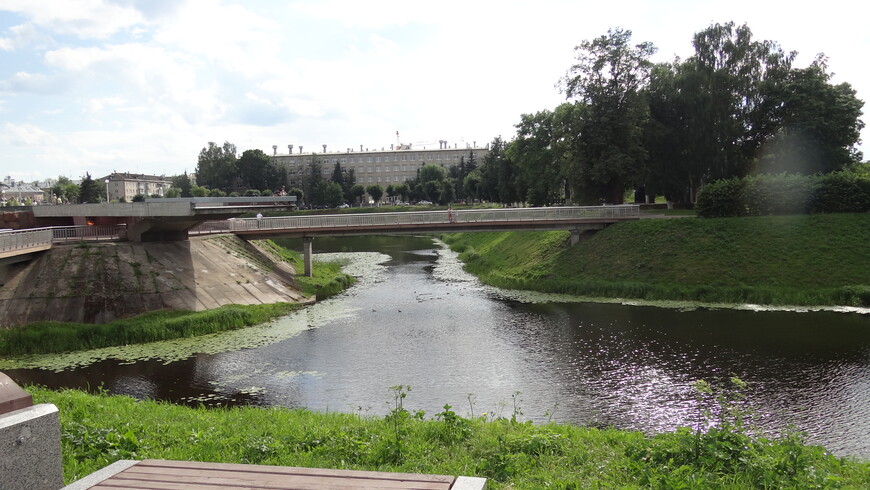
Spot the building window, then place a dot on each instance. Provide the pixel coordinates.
(377, 169)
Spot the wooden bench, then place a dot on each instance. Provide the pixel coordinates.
(172, 475)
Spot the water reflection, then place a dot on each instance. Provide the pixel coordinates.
(447, 336)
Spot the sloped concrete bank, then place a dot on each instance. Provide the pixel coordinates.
(97, 283)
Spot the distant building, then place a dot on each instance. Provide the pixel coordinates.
(126, 186)
(20, 191)
(385, 167)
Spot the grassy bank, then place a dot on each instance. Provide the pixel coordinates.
(99, 429)
(48, 337)
(55, 337)
(328, 280)
(777, 260)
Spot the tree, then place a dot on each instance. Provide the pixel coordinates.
(431, 172)
(256, 171)
(402, 190)
(312, 177)
(818, 124)
(472, 185)
(173, 192)
(182, 183)
(65, 190)
(357, 192)
(295, 191)
(89, 190)
(534, 153)
(376, 192)
(727, 112)
(217, 167)
(198, 191)
(608, 80)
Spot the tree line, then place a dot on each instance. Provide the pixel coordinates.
(736, 107)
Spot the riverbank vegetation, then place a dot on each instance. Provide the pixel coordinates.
(773, 260)
(328, 279)
(56, 337)
(50, 337)
(98, 429)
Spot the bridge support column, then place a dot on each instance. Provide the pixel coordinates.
(575, 237)
(306, 255)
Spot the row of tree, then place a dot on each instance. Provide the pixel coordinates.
(736, 107)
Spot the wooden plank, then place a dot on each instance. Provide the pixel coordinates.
(177, 475)
(292, 470)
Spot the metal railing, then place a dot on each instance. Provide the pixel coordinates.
(64, 234)
(419, 218)
(31, 238)
(14, 240)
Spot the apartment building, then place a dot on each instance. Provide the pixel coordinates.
(384, 167)
(126, 185)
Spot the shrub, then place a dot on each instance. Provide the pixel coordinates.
(765, 195)
(842, 192)
(721, 198)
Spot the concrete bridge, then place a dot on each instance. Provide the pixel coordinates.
(576, 219)
(20, 245)
(164, 219)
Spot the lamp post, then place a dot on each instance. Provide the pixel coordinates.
(107, 191)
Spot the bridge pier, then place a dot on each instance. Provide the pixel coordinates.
(575, 237)
(307, 255)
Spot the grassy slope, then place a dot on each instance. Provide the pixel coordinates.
(48, 337)
(99, 429)
(815, 259)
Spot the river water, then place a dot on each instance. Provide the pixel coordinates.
(416, 319)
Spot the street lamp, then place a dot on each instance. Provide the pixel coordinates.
(107, 191)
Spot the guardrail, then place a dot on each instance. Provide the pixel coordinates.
(418, 218)
(88, 233)
(11, 241)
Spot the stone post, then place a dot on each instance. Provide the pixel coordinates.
(29, 441)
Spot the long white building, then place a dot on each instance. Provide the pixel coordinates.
(371, 166)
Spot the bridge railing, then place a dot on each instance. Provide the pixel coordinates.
(418, 218)
(63, 234)
(14, 240)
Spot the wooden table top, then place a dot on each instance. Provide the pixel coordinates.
(171, 475)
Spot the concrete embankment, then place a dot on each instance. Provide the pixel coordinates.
(97, 283)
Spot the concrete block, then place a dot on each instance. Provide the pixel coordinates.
(30, 456)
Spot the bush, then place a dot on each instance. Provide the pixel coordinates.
(846, 191)
(721, 198)
(766, 195)
(842, 192)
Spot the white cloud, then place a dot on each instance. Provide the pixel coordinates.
(26, 135)
(86, 19)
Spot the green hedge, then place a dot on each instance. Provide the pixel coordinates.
(846, 191)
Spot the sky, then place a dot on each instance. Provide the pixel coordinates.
(142, 86)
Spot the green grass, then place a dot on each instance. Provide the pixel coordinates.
(99, 429)
(50, 337)
(328, 280)
(780, 260)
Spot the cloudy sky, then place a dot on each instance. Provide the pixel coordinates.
(142, 85)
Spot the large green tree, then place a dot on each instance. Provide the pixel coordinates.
(217, 167)
(257, 171)
(817, 123)
(608, 79)
(89, 190)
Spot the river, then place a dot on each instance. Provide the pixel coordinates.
(416, 319)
